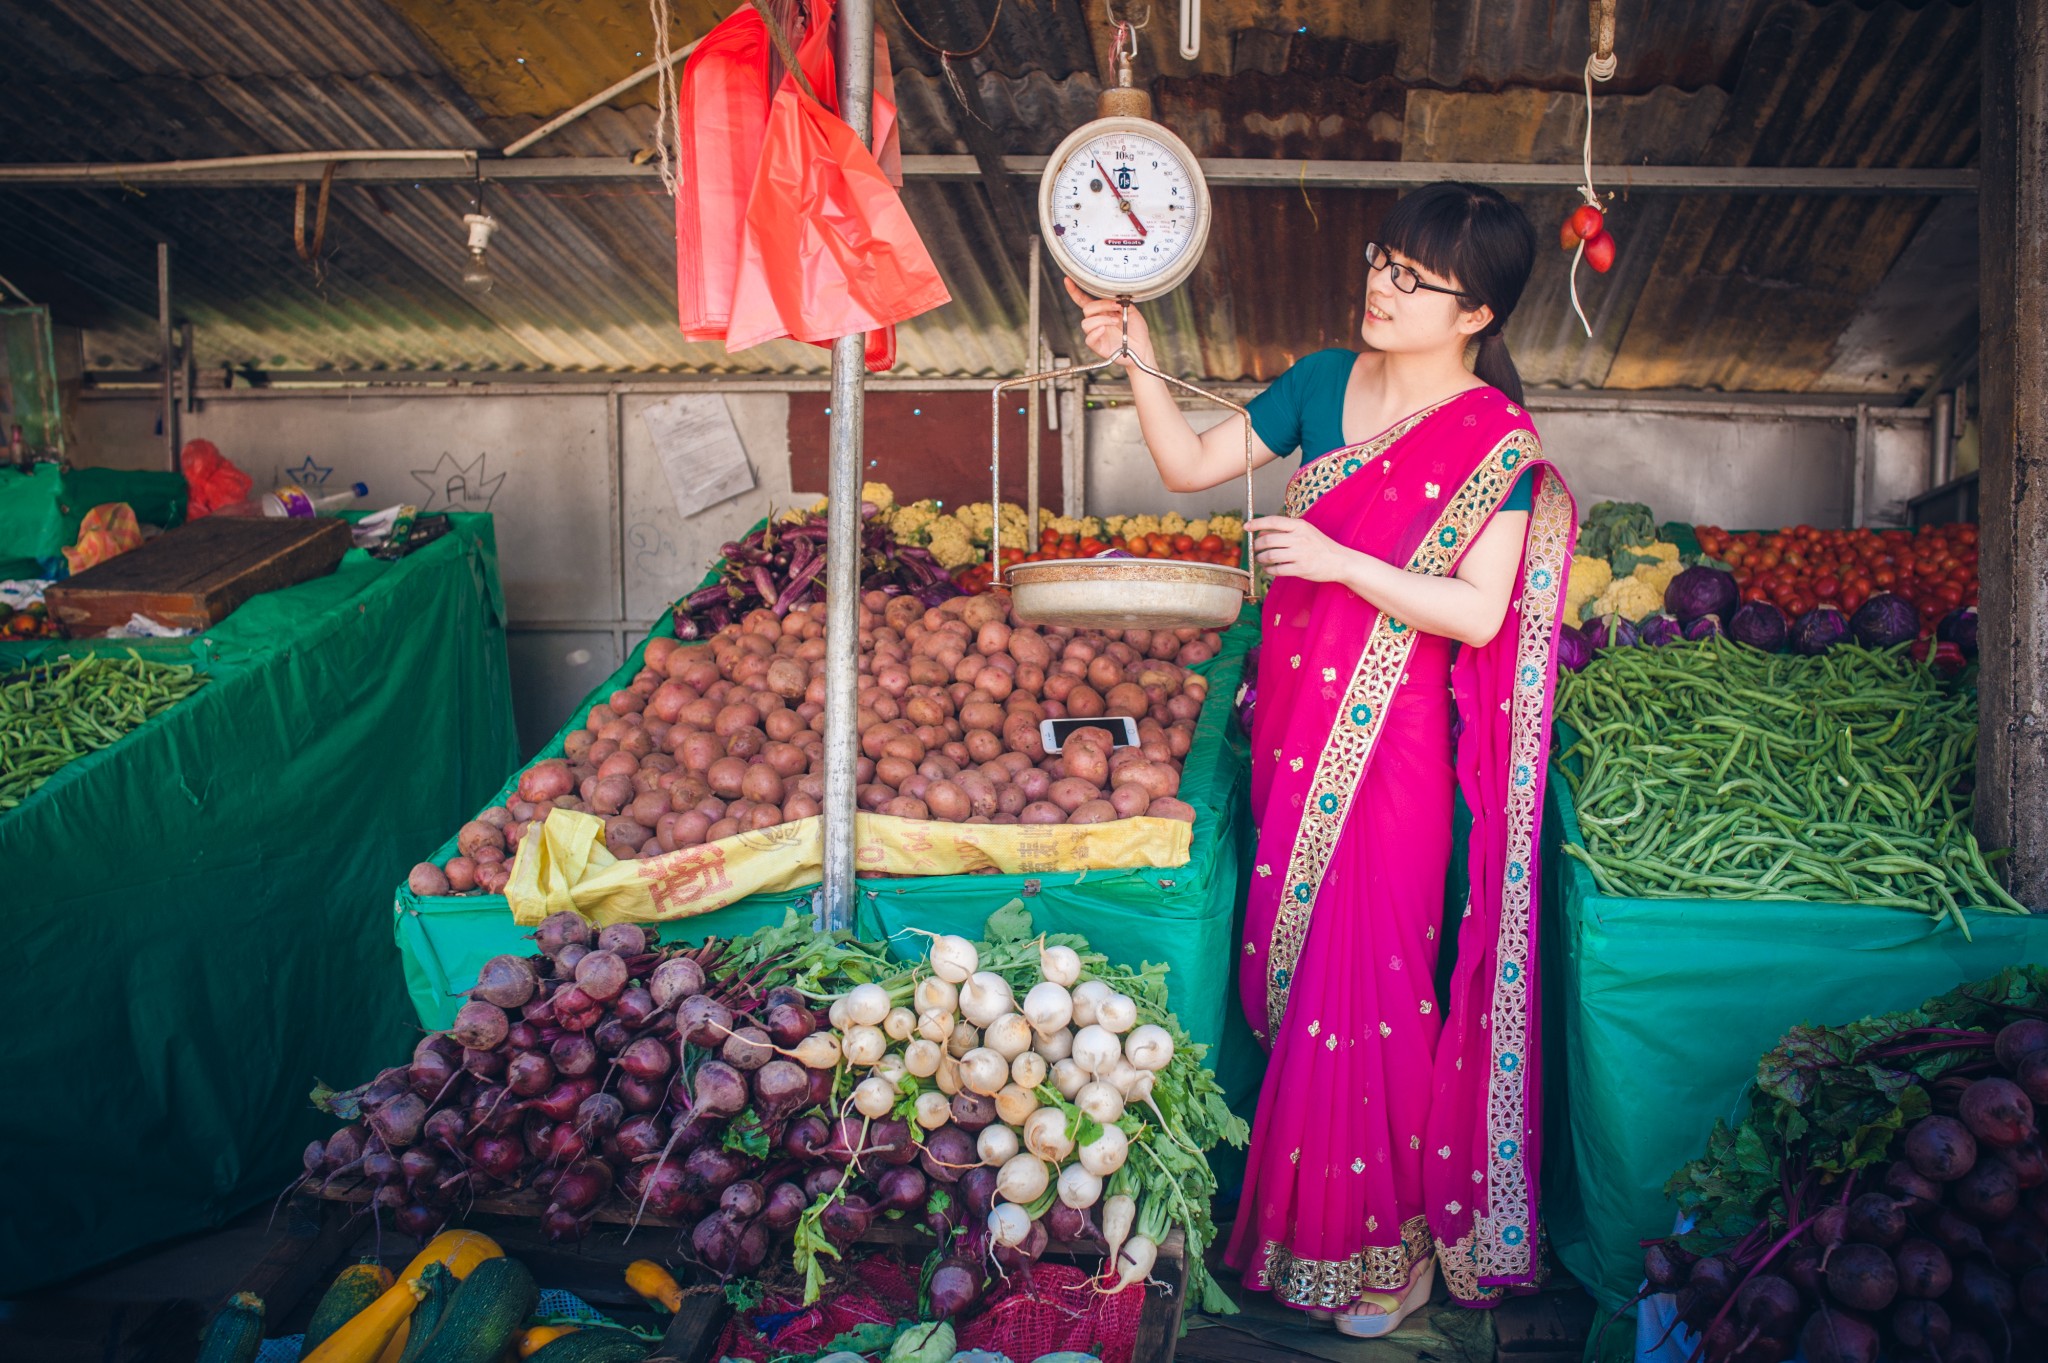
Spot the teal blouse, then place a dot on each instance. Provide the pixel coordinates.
(1304, 409)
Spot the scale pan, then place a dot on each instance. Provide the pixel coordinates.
(1126, 593)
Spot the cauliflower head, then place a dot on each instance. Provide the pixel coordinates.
(1588, 578)
(1629, 597)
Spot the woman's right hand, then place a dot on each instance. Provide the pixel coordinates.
(1103, 321)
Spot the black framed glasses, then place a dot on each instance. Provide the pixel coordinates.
(1403, 277)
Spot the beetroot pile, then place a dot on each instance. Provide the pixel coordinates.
(708, 1088)
(1929, 1247)
(716, 738)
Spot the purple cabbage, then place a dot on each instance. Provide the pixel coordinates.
(1959, 627)
(1760, 625)
(1610, 631)
(1884, 621)
(1574, 649)
(1658, 630)
(1701, 590)
(1819, 630)
(1706, 627)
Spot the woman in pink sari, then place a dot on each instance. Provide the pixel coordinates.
(1408, 644)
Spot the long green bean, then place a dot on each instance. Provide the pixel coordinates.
(73, 706)
(1713, 770)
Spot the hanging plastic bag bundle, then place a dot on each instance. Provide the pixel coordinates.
(821, 247)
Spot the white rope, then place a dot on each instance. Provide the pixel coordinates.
(1596, 69)
(667, 152)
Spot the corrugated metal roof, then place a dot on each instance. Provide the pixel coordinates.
(585, 273)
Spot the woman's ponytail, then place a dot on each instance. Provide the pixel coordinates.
(1497, 367)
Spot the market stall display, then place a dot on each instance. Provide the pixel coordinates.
(1712, 770)
(1667, 943)
(58, 711)
(710, 741)
(1886, 1195)
(220, 951)
(1005, 1094)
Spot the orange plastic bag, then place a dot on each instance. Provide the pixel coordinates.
(721, 259)
(829, 248)
(722, 114)
(211, 481)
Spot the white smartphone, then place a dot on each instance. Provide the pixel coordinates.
(1123, 730)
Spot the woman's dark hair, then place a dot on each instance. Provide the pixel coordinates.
(1474, 237)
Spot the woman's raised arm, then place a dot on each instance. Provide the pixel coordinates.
(1188, 461)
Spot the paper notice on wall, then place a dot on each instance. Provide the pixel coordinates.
(699, 449)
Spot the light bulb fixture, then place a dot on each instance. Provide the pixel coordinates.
(476, 275)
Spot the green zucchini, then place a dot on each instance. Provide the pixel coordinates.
(483, 1315)
(357, 1286)
(236, 1331)
(593, 1346)
(440, 1285)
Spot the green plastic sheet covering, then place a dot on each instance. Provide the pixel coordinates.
(40, 510)
(1657, 1011)
(196, 914)
(1182, 916)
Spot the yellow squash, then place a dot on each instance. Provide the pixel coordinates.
(536, 1337)
(369, 1336)
(364, 1337)
(656, 1286)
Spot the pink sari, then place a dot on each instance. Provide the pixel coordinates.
(1386, 1133)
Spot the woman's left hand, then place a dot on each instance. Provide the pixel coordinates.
(1293, 548)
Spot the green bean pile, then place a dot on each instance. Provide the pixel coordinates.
(1715, 771)
(63, 710)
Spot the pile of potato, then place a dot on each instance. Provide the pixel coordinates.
(715, 738)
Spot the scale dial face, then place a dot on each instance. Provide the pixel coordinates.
(1124, 208)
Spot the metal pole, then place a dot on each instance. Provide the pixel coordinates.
(1035, 365)
(167, 352)
(1941, 441)
(856, 53)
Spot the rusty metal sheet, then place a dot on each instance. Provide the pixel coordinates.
(1836, 85)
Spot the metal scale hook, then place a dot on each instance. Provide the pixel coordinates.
(1123, 352)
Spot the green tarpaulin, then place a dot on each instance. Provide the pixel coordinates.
(1657, 1011)
(195, 913)
(40, 510)
(1181, 916)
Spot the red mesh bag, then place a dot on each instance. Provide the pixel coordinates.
(1055, 1311)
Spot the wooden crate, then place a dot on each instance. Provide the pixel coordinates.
(594, 1268)
(194, 576)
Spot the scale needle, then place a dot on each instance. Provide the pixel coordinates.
(1122, 203)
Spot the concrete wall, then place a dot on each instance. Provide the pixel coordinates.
(592, 548)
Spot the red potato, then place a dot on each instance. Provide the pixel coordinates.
(727, 775)
(545, 781)
(1042, 811)
(649, 807)
(1171, 809)
(724, 828)
(619, 764)
(906, 807)
(476, 835)
(1129, 801)
(1071, 793)
(427, 880)
(627, 702)
(799, 806)
(1094, 811)
(612, 794)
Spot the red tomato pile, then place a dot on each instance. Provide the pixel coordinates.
(1052, 545)
(1800, 568)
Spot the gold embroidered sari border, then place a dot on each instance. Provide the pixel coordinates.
(1362, 711)
(1333, 1284)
